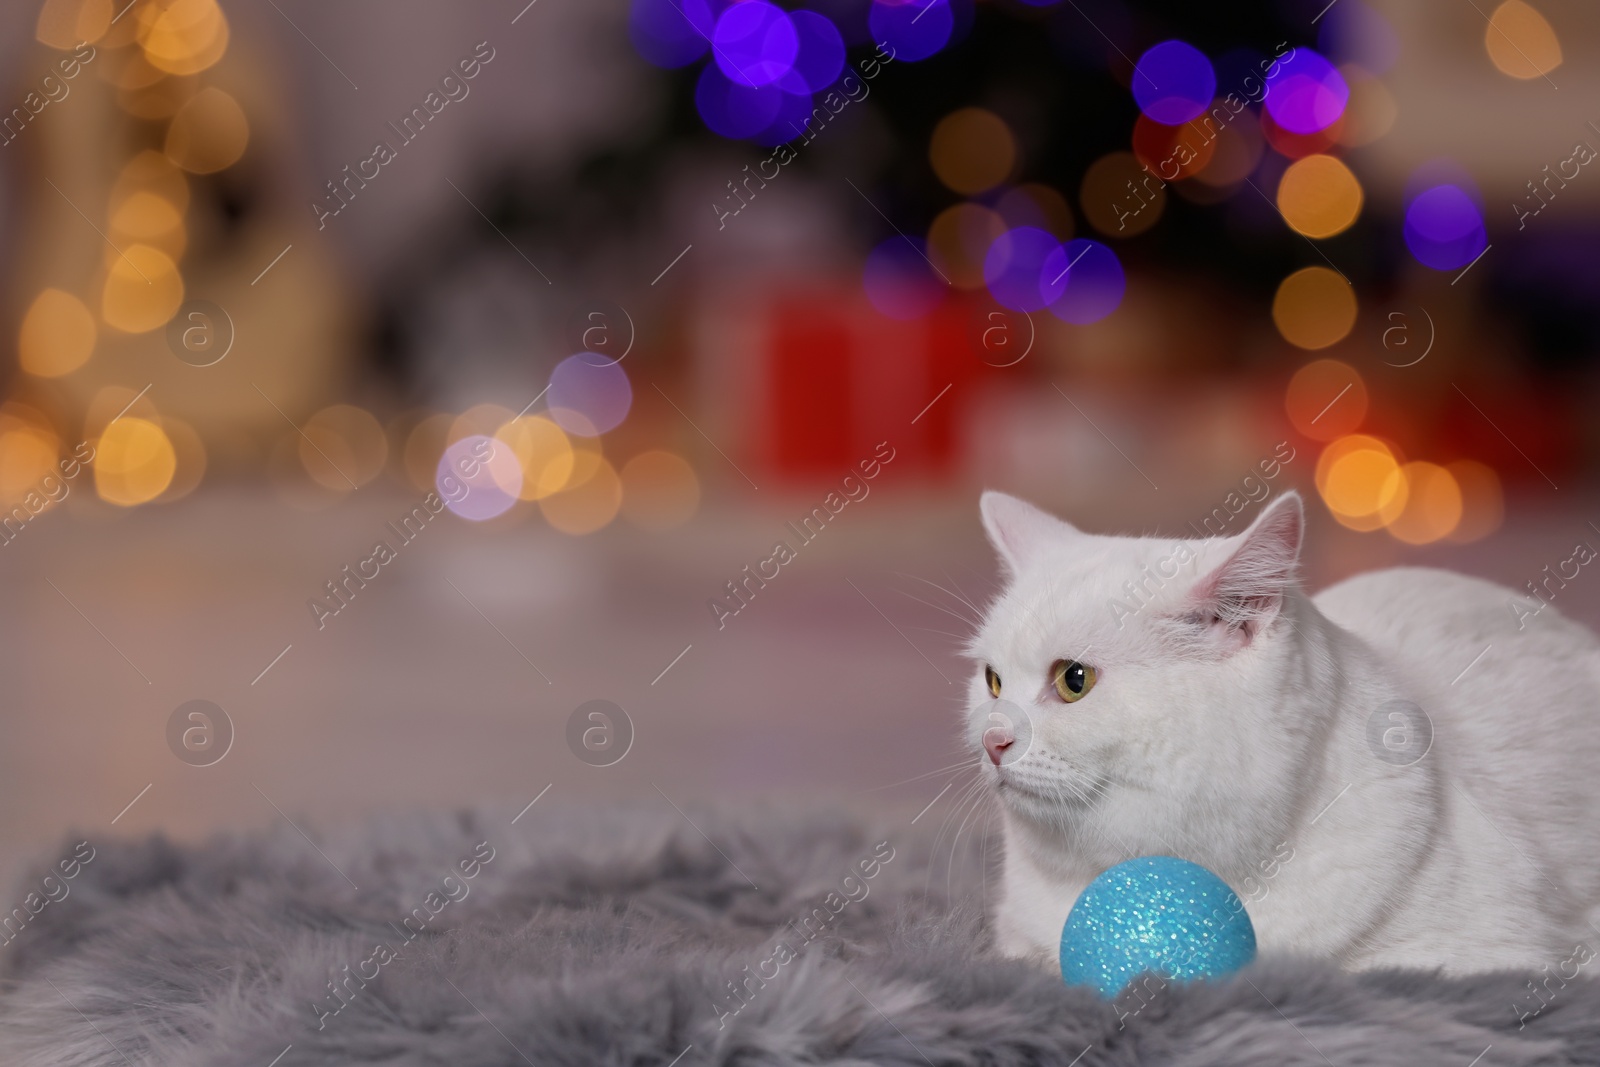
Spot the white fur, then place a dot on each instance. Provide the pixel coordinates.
(1229, 726)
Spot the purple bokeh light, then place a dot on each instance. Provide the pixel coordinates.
(1173, 82)
(1082, 281)
(899, 281)
(1444, 228)
(589, 394)
(671, 33)
(1306, 94)
(478, 477)
(1014, 265)
(915, 29)
(755, 43)
(820, 59)
(734, 110)
(794, 110)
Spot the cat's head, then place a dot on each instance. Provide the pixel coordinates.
(1128, 665)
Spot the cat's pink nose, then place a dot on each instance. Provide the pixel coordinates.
(996, 739)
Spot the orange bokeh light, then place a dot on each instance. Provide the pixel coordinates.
(1326, 398)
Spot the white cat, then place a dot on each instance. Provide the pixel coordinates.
(1188, 698)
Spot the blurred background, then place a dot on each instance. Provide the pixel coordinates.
(638, 291)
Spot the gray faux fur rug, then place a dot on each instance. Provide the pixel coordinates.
(580, 939)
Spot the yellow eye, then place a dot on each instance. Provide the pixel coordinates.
(993, 679)
(1072, 679)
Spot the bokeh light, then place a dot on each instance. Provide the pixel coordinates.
(1433, 505)
(478, 478)
(543, 452)
(659, 490)
(64, 24)
(1014, 265)
(733, 110)
(484, 419)
(1360, 480)
(1520, 42)
(754, 43)
(146, 218)
(915, 29)
(1306, 93)
(1371, 112)
(1236, 153)
(820, 58)
(1173, 82)
(794, 113)
(899, 281)
(143, 290)
(189, 455)
(28, 452)
(343, 444)
(133, 462)
(1119, 197)
(589, 394)
(424, 444)
(182, 36)
(1314, 308)
(209, 133)
(1444, 228)
(671, 33)
(151, 171)
(57, 335)
(1082, 281)
(1172, 152)
(586, 506)
(1036, 205)
(958, 240)
(972, 150)
(1299, 145)
(1326, 399)
(1319, 196)
(1483, 506)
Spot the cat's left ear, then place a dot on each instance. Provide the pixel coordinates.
(1017, 529)
(1240, 597)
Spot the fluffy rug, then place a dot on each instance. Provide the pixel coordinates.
(633, 938)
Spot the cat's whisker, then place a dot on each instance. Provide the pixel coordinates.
(977, 613)
(968, 795)
(971, 761)
(962, 596)
(937, 607)
(959, 639)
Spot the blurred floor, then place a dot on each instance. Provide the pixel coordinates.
(450, 678)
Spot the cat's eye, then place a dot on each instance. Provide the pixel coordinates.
(993, 679)
(1072, 679)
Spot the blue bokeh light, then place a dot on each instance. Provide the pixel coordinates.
(1306, 93)
(915, 29)
(820, 60)
(794, 111)
(734, 110)
(1014, 266)
(1082, 281)
(1444, 228)
(1173, 82)
(589, 394)
(755, 43)
(671, 33)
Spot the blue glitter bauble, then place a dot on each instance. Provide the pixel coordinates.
(1155, 913)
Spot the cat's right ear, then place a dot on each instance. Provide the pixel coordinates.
(1017, 529)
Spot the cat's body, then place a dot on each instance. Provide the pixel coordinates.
(1272, 737)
